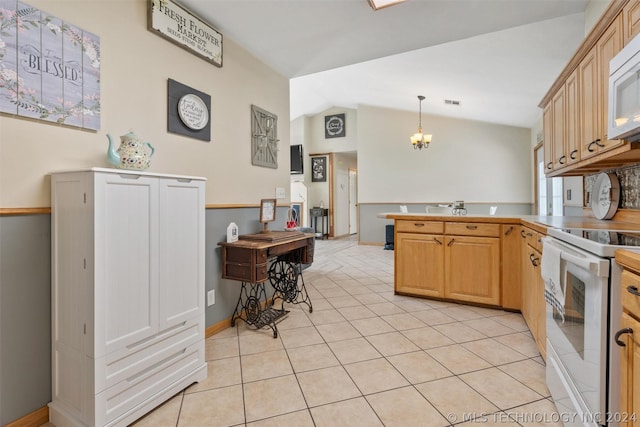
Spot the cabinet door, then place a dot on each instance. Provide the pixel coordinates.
(630, 371)
(527, 267)
(419, 264)
(631, 20)
(588, 81)
(559, 136)
(572, 118)
(126, 245)
(510, 277)
(181, 250)
(540, 306)
(547, 126)
(472, 266)
(608, 46)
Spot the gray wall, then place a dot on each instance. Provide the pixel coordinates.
(25, 300)
(25, 315)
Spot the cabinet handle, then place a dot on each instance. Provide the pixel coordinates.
(573, 154)
(596, 142)
(451, 242)
(129, 176)
(549, 165)
(529, 234)
(633, 290)
(437, 241)
(561, 160)
(472, 227)
(620, 333)
(418, 224)
(509, 230)
(534, 259)
(522, 234)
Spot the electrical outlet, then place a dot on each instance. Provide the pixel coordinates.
(211, 297)
(280, 194)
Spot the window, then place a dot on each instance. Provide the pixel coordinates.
(548, 190)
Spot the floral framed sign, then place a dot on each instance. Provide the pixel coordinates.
(49, 68)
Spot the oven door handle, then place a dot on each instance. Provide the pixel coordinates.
(593, 264)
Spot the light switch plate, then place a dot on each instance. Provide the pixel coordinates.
(280, 194)
(211, 297)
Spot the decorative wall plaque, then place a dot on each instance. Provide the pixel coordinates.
(264, 138)
(49, 68)
(188, 111)
(335, 126)
(180, 26)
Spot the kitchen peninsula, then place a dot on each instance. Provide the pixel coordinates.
(473, 259)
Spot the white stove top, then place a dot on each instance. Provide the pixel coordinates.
(603, 243)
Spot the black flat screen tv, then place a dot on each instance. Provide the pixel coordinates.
(297, 160)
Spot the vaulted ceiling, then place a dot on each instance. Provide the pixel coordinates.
(497, 57)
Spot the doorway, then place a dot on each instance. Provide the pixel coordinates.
(353, 201)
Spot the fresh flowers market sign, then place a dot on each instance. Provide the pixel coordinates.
(49, 69)
(177, 24)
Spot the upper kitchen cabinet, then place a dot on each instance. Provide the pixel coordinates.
(575, 109)
(631, 20)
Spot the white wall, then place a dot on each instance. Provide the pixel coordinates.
(135, 67)
(467, 160)
(593, 12)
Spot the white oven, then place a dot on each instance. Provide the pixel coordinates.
(582, 289)
(577, 331)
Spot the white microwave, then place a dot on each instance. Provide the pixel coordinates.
(624, 93)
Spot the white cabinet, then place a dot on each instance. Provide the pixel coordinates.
(127, 293)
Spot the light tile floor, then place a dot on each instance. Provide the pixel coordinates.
(367, 357)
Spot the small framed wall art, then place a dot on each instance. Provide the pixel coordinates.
(318, 169)
(335, 126)
(188, 111)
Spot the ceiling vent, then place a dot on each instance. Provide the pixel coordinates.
(451, 102)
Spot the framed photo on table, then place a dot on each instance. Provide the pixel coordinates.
(267, 210)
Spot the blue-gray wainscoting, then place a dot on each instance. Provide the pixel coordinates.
(25, 300)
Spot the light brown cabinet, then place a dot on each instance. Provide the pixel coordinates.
(472, 268)
(631, 20)
(533, 304)
(510, 280)
(419, 261)
(460, 261)
(575, 109)
(628, 339)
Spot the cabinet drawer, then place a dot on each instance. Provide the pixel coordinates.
(131, 360)
(430, 227)
(125, 395)
(630, 302)
(472, 229)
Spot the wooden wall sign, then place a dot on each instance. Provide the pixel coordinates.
(188, 111)
(178, 25)
(50, 72)
(264, 138)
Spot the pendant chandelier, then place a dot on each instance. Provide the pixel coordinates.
(419, 139)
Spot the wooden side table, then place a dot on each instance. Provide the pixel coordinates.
(323, 214)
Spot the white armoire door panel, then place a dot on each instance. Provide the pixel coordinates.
(126, 258)
(181, 278)
(70, 290)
